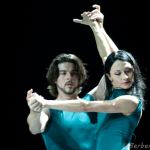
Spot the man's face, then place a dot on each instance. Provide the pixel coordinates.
(67, 81)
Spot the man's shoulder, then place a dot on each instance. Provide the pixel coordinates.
(88, 97)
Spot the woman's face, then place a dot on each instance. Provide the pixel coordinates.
(121, 74)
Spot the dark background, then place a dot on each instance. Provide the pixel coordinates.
(45, 29)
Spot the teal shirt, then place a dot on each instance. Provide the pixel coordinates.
(70, 130)
(115, 130)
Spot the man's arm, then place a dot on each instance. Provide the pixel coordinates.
(99, 91)
(37, 121)
(38, 117)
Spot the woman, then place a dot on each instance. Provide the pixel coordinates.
(125, 101)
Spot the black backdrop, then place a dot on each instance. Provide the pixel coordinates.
(45, 29)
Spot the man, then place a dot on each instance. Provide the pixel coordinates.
(63, 130)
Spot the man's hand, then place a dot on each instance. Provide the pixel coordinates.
(33, 100)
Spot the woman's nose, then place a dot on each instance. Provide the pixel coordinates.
(124, 76)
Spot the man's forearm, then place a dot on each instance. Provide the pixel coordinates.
(33, 121)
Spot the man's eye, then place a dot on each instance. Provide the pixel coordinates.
(74, 73)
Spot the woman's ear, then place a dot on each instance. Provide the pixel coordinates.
(109, 77)
(55, 81)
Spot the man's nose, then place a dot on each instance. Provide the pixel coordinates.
(68, 75)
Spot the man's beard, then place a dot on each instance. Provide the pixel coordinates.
(72, 91)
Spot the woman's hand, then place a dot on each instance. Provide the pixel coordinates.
(91, 18)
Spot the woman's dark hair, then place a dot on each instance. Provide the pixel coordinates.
(53, 71)
(138, 86)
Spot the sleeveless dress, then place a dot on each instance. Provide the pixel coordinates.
(115, 130)
(70, 130)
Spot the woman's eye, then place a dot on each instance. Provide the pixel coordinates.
(117, 74)
(128, 71)
(62, 73)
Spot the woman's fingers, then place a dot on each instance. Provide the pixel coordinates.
(97, 7)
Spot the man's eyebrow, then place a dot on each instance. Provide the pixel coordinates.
(70, 71)
(75, 70)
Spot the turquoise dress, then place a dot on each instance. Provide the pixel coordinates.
(71, 130)
(115, 130)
